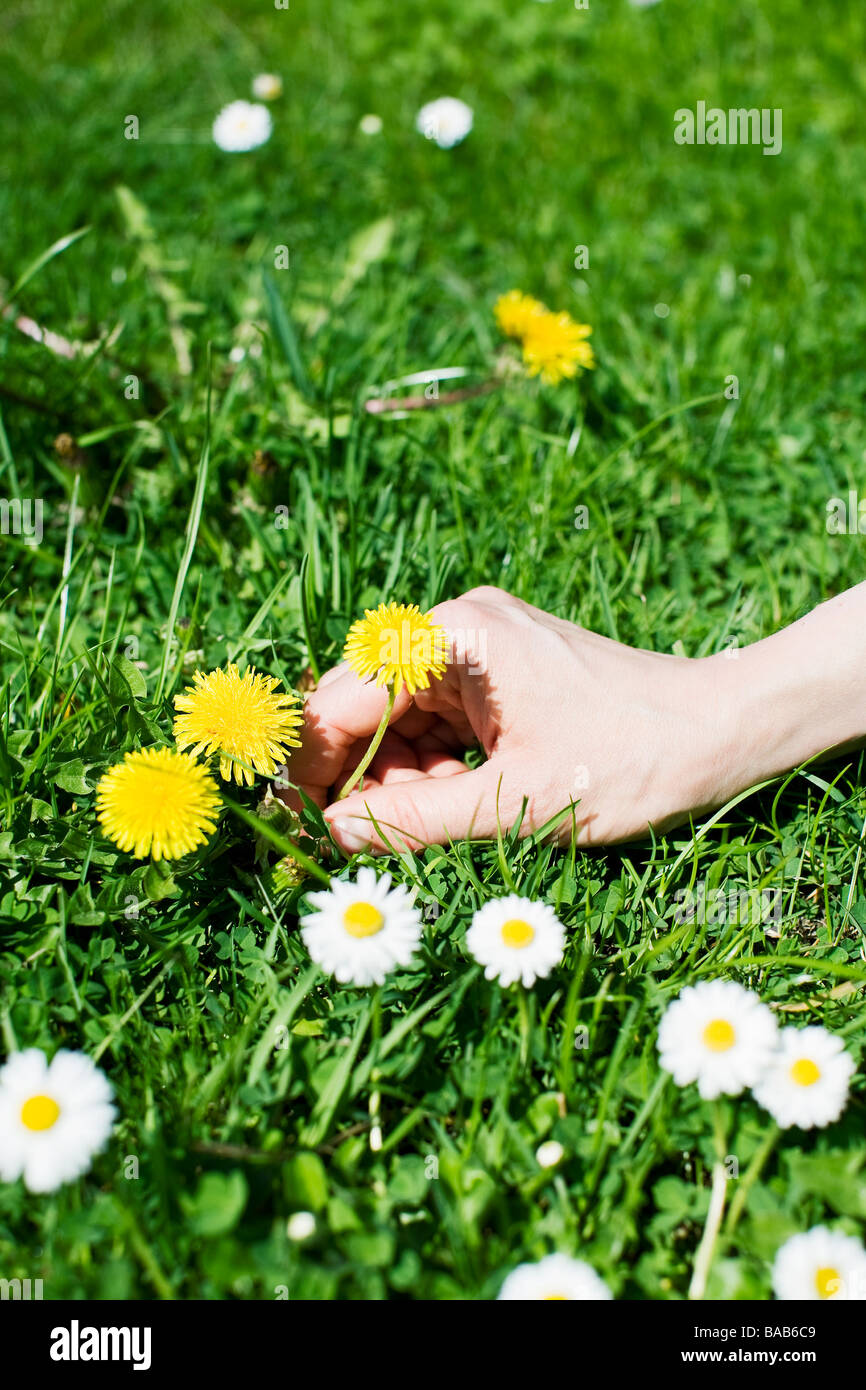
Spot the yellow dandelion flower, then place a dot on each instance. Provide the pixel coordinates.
(241, 718)
(515, 311)
(157, 802)
(400, 644)
(555, 347)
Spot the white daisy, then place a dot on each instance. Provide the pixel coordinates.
(806, 1083)
(820, 1264)
(301, 1225)
(267, 86)
(718, 1034)
(242, 125)
(549, 1154)
(371, 124)
(554, 1279)
(53, 1117)
(359, 931)
(516, 939)
(447, 120)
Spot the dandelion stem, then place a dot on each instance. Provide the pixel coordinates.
(370, 753)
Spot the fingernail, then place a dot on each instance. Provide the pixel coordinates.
(350, 836)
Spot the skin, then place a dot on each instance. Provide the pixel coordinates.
(633, 738)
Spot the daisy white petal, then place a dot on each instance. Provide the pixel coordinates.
(54, 1117)
(719, 1035)
(447, 121)
(360, 931)
(242, 125)
(301, 1225)
(554, 1279)
(516, 938)
(818, 1265)
(267, 86)
(806, 1083)
(547, 1155)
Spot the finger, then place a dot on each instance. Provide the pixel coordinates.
(333, 675)
(399, 761)
(339, 712)
(414, 722)
(440, 765)
(441, 735)
(401, 774)
(394, 755)
(423, 811)
(321, 796)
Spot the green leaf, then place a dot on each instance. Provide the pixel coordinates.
(305, 1182)
(368, 246)
(135, 214)
(56, 249)
(159, 883)
(286, 336)
(371, 244)
(309, 1028)
(409, 1185)
(125, 680)
(342, 1216)
(834, 1177)
(70, 777)
(374, 1248)
(218, 1203)
(82, 910)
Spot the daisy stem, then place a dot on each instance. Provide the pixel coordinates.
(145, 1255)
(706, 1249)
(525, 1024)
(370, 753)
(753, 1172)
(375, 1103)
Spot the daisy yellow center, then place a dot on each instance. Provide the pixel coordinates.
(39, 1112)
(555, 1298)
(804, 1072)
(516, 933)
(828, 1281)
(719, 1035)
(363, 919)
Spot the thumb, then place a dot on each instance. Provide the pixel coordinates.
(420, 812)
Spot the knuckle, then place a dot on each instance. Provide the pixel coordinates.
(486, 593)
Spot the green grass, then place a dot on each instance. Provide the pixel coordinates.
(259, 531)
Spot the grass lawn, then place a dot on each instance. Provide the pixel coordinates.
(213, 490)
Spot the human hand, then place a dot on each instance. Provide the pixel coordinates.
(616, 737)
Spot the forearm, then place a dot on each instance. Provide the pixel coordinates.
(801, 692)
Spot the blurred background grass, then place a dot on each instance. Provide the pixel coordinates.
(573, 144)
